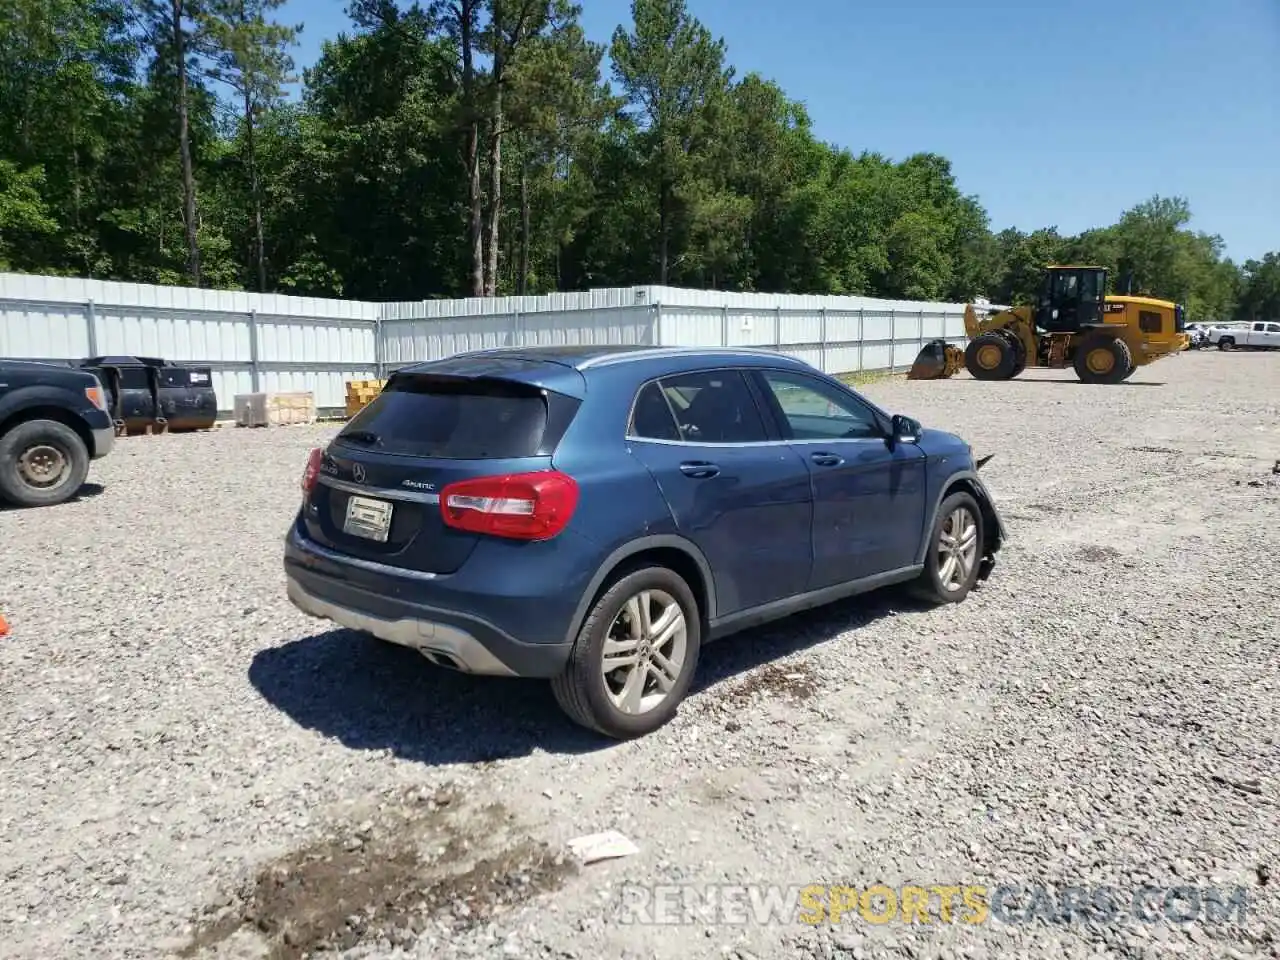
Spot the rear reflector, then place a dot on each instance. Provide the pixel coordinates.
(522, 506)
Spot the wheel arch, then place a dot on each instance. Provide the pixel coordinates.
(666, 550)
(966, 481)
(49, 412)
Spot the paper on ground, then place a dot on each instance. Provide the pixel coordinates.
(602, 846)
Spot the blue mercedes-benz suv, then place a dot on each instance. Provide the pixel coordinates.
(593, 515)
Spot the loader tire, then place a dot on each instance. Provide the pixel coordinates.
(1103, 359)
(990, 356)
(1021, 361)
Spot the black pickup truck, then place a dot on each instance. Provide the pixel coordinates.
(53, 421)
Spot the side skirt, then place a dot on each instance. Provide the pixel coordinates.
(765, 613)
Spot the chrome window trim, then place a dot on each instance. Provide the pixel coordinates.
(740, 371)
(754, 443)
(878, 415)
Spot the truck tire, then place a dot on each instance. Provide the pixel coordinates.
(1103, 359)
(1227, 343)
(42, 463)
(990, 356)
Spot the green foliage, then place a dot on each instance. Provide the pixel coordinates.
(1260, 289)
(445, 147)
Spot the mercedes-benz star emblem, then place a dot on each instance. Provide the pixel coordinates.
(357, 472)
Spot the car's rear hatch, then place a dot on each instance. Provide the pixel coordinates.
(456, 421)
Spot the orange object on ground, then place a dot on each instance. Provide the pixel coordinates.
(4, 626)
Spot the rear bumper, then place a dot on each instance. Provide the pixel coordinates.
(424, 615)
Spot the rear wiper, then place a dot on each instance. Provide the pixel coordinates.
(367, 437)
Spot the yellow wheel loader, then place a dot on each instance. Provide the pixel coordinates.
(1073, 323)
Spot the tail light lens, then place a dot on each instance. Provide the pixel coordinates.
(311, 473)
(522, 506)
(96, 397)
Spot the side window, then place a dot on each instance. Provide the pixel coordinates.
(1149, 321)
(1259, 327)
(814, 411)
(714, 407)
(651, 417)
(1273, 328)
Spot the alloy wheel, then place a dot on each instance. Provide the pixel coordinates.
(644, 652)
(957, 549)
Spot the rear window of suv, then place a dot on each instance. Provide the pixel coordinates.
(453, 419)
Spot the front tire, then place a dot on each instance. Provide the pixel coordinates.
(1103, 359)
(1226, 343)
(42, 463)
(954, 559)
(635, 656)
(990, 356)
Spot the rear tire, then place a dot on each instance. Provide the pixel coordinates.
(653, 657)
(954, 558)
(990, 356)
(1020, 365)
(1103, 359)
(42, 463)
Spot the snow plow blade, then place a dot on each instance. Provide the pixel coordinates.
(936, 361)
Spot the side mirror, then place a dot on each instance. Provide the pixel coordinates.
(905, 430)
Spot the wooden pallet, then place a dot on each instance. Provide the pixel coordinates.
(360, 393)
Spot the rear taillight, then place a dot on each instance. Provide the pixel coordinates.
(311, 473)
(96, 397)
(523, 506)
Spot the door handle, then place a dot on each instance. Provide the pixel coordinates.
(699, 469)
(824, 459)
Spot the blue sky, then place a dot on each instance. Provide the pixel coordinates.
(1054, 113)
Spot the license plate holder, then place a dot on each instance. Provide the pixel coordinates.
(368, 518)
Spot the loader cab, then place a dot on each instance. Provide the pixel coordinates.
(1071, 298)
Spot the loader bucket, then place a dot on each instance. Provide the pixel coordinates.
(931, 362)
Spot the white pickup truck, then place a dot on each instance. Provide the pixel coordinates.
(1259, 335)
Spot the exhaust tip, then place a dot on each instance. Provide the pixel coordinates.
(441, 659)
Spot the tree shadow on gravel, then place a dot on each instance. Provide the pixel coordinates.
(376, 696)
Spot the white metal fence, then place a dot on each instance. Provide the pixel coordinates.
(267, 342)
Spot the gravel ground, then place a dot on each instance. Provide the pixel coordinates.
(189, 766)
